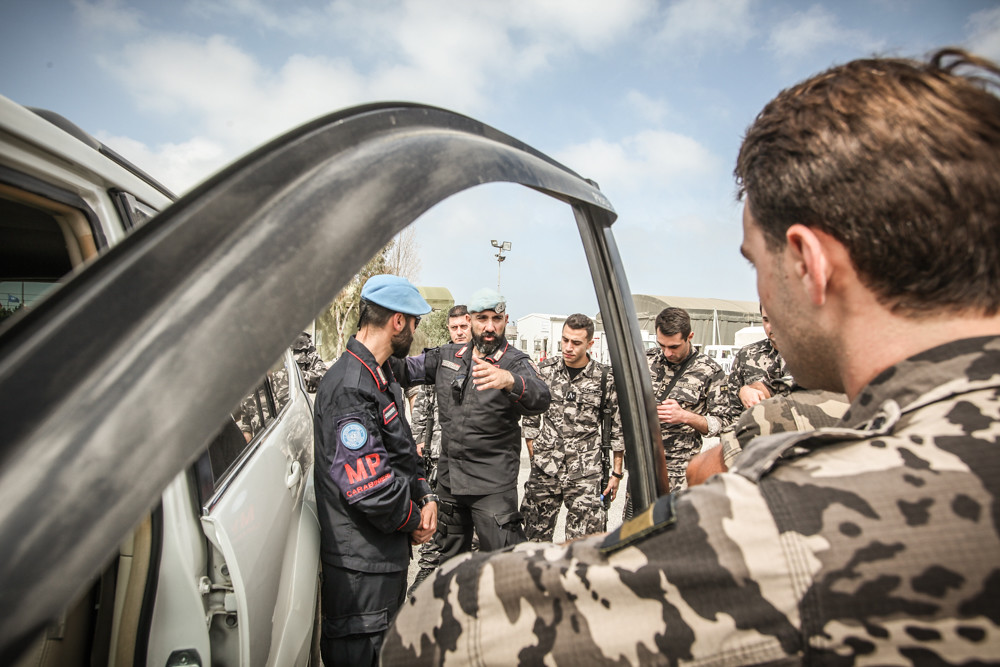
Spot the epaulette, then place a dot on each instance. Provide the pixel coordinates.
(656, 518)
(551, 361)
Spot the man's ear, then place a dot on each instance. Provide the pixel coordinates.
(398, 322)
(810, 260)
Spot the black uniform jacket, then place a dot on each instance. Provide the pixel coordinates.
(480, 430)
(367, 471)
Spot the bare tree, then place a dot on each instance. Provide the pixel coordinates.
(399, 257)
(403, 255)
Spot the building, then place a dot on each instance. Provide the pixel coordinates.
(538, 335)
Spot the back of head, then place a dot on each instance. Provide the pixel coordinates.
(672, 321)
(385, 294)
(899, 161)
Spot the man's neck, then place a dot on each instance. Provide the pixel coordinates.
(899, 338)
(377, 342)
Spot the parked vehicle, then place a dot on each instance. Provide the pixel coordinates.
(221, 567)
(116, 382)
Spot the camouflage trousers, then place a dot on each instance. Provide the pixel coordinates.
(545, 495)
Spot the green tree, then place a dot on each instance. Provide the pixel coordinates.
(432, 332)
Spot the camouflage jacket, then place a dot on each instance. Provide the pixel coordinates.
(756, 362)
(799, 410)
(700, 389)
(877, 544)
(568, 436)
(312, 367)
(426, 405)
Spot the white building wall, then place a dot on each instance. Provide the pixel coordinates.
(538, 334)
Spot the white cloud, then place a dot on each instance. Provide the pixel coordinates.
(651, 159)
(701, 25)
(448, 54)
(652, 111)
(805, 32)
(288, 18)
(984, 33)
(107, 15)
(227, 93)
(178, 166)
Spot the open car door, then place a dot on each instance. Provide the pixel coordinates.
(85, 452)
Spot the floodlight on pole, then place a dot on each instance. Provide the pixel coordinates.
(502, 247)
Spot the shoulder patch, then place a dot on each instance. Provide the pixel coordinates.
(353, 435)
(656, 518)
(389, 413)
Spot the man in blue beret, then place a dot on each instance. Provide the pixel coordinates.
(371, 496)
(483, 389)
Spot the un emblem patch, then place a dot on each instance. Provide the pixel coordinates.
(353, 435)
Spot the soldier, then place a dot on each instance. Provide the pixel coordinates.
(689, 390)
(425, 414)
(569, 464)
(371, 496)
(758, 372)
(872, 217)
(313, 368)
(483, 389)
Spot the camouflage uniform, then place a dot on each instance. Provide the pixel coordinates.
(701, 389)
(800, 410)
(566, 466)
(756, 362)
(426, 405)
(873, 545)
(313, 368)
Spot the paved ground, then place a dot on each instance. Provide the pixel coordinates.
(614, 520)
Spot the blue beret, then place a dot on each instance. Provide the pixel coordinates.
(396, 294)
(487, 299)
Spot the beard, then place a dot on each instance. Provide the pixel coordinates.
(401, 343)
(485, 347)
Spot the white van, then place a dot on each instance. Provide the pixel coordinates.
(222, 570)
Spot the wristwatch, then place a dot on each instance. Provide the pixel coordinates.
(429, 498)
(617, 475)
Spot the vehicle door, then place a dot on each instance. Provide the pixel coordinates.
(311, 206)
(264, 550)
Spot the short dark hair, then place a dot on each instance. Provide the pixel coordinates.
(899, 161)
(372, 314)
(578, 321)
(457, 311)
(672, 321)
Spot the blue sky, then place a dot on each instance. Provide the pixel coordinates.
(650, 99)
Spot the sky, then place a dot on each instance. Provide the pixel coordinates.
(648, 98)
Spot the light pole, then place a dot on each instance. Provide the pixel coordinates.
(502, 247)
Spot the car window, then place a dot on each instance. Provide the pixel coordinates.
(133, 211)
(40, 242)
(239, 433)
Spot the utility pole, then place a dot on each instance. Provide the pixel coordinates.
(502, 247)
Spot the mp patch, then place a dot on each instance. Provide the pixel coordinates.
(353, 435)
